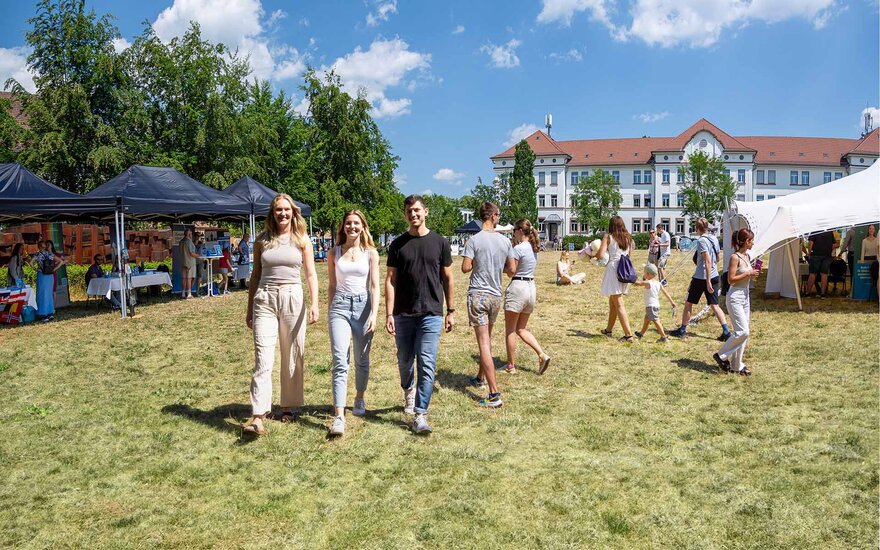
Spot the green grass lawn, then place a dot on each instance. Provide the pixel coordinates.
(127, 435)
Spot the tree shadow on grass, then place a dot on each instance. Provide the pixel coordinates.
(699, 366)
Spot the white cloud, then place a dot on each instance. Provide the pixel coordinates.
(239, 25)
(458, 30)
(13, 64)
(696, 23)
(400, 180)
(424, 192)
(121, 44)
(386, 64)
(571, 55)
(448, 175)
(875, 117)
(304, 22)
(651, 117)
(503, 57)
(519, 133)
(384, 10)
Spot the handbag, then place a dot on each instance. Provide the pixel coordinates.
(626, 273)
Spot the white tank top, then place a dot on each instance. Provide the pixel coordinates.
(351, 276)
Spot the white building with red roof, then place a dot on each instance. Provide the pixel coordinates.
(646, 168)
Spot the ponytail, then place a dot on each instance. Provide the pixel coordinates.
(528, 231)
(740, 237)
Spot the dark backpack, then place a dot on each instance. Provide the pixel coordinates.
(696, 248)
(626, 273)
(47, 265)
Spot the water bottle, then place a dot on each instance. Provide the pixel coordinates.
(19, 283)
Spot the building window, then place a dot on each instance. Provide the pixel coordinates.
(727, 173)
(771, 177)
(637, 201)
(574, 226)
(759, 198)
(665, 175)
(542, 178)
(665, 199)
(637, 176)
(616, 175)
(572, 200)
(805, 178)
(741, 175)
(679, 200)
(637, 225)
(838, 175)
(826, 177)
(771, 197)
(665, 223)
(554, 201)
(679, 226)
(647, 200)
(541, 202)
(680, 178)
(649, 176)
(793, 177)
(741, 197)
(759, 177)
(583, 227)
(554, 178)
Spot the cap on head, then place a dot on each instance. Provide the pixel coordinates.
(651, 269)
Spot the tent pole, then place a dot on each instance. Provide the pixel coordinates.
(794, 275)
(310, 227)
(116, 216)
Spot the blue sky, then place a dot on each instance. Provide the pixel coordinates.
(455, 82)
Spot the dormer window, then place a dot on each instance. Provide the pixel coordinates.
(800, 154)
(772, 153)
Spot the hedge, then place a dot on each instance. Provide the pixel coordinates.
(641, 240)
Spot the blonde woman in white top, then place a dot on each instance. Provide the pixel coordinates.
(276, 309)
(870, 246)
(353, 298)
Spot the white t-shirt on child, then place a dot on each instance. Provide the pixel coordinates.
(652, 293)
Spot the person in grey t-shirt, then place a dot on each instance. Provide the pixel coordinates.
(485, 256)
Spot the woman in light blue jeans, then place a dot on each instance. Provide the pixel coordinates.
(353, 295)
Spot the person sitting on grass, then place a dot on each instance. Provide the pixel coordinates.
(563, 272)
(653, 288)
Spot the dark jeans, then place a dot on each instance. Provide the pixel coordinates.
(418, 339)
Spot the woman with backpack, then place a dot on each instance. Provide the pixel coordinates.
(617, 243)
(47, 264)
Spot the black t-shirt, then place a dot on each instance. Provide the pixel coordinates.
(419, 262)
(823, 244)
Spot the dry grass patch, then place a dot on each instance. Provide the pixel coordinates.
(126, 434)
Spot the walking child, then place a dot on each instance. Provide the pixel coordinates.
(653, 288)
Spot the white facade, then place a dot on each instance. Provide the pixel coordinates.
(650, 189)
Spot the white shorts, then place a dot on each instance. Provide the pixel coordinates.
(520, 297)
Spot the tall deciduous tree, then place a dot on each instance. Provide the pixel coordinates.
(596, 199)
(522, 199)
(707, 190)
(444, 214)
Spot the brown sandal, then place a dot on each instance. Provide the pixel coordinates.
(253, 429)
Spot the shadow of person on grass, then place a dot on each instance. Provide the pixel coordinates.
(582, 334)
(699, 366)
(388, 415)
(232, 416)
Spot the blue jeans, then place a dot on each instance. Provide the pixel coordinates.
(347, 320)
(418, 339)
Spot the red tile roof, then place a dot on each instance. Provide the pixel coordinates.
(16, 110)
(767, 149)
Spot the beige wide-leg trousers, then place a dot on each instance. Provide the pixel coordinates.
(279, 314)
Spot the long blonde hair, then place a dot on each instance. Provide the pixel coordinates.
(270, 234)
(366, 240)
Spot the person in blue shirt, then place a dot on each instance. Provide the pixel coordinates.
(705, 281)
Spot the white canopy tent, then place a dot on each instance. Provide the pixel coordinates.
(779, 223)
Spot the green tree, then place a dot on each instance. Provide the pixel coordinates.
(483, 193)
(10, 132)
(707, 190)
(444, 214)
(596, 199)
(522, 199)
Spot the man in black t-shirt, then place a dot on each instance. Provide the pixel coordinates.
(819, 249)
(419, 277)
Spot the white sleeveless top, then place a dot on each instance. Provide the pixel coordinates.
(351, 276)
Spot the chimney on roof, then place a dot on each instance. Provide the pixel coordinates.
(548, 123)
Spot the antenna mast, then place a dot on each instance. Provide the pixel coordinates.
(548, 123)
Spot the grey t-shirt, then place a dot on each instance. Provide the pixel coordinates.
(490, 251)
(526, 259)
(187, 248)
(707, 243)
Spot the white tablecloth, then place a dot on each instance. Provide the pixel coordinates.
(103, 286)
(30, 295)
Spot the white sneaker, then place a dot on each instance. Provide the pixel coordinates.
(409, 400)
(359, 408)
(338, 426)
(420, 424)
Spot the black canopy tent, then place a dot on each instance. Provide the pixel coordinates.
(472, 226)
(259, 197)
(24, 196)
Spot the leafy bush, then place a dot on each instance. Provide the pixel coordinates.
(578, 241)
(641, 240)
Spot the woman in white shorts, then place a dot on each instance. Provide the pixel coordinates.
(520, 297)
